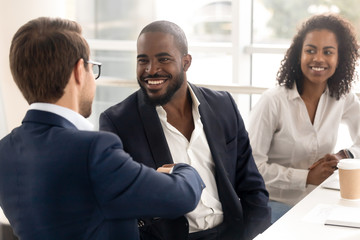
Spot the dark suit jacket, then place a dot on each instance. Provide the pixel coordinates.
(57, 182)
(241, 188)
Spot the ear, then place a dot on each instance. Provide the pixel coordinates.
(79, 71)
(186, 62)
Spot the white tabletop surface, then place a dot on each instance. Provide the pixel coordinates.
(3, 219)
(306, 219)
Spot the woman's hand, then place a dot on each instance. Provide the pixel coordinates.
(322, 169)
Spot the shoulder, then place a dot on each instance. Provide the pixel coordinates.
(276, 92)
(123, 113)
(213, 97)
(271, 104)
(348, 101)
(351, 96)
(276, 95)
(71, 142)
(210, 93)
(101, 138)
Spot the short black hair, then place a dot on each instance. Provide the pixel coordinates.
(170, 28)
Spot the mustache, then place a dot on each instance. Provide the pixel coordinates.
(156, 75)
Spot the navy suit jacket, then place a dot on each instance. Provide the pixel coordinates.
(57, 182)
(241, 187)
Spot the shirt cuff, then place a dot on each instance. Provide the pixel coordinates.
(298, 178)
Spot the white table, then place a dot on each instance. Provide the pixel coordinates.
(3, 219)
(304, 222)
(6, 232)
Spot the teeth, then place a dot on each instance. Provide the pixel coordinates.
(318, 68)
(154, 82)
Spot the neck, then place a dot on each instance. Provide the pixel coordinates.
(69, 99)
(179, 112)
(181, 102)
(313, 92)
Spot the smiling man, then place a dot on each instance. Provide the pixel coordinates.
(58, 178)
(175, 121)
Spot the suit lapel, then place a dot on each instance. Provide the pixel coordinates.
(154, 132)
(212, 128)
(217, 143)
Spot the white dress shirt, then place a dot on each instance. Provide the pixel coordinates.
(75, 118)
(285, 142)
(196, 153)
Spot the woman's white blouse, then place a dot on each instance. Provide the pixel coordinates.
(285, 142)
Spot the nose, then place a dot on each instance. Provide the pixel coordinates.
(152, 68)
(319, 57)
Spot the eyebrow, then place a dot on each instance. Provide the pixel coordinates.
(141, 55)
(162, 54)
(313, 46)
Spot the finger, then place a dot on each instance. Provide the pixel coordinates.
(317, 163)
(329, 157)
(168, 165)
(332, 163)
(163, 170)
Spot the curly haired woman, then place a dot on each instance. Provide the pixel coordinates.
(293, 128)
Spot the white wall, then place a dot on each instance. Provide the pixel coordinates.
(13, 14)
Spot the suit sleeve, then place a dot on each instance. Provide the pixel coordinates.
(127, 189)
(250, 185)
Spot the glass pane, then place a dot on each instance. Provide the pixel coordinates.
(208, 68)
(123, 19)
(116, 64)
(114, 19)
(204, 21)
(201, 20)
(265, 68)
(276, 21)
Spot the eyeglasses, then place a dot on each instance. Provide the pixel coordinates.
(96, 68)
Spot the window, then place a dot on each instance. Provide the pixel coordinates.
(237, 45)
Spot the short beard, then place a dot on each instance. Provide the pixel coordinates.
(164, 99)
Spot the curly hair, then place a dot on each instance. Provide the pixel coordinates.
(340, 82)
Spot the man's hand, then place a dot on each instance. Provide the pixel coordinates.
(166, 168)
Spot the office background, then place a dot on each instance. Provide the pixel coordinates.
(237, 45)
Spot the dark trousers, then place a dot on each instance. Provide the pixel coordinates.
(215, 233)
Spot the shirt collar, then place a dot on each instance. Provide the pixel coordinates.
(162, 113)
(75, 118)
(293, 93)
